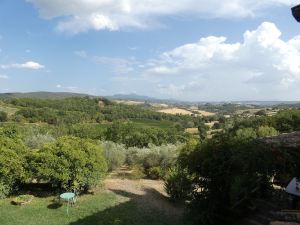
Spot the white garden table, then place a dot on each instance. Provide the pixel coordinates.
(68, 196)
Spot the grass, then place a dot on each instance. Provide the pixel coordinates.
(8, 109)
(153, 123)
(105, 208)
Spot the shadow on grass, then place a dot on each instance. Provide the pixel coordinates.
(55, 205)
(138, 210)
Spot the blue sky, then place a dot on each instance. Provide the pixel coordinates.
(182, 49)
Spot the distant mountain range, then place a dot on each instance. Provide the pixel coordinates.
(135, 97)
(131, 97)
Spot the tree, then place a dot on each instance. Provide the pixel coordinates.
(244, 134)
(261, 113)
(72, 163)
(11, 170)
(265, 131)
(12, 161)
(3, 116)
(203, 131)
(226, 171)
(38, 141)
(115, 154)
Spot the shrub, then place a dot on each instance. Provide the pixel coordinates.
(115, 154)
(5, 189)
(23, 199)
(3, 116)
(155, 173)
(137, 172)
(178, 184)
(72, 163)
(11, 162)
(11, 170)
(265, 131)
(38, 141)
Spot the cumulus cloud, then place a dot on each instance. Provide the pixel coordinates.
(30, 65)
(262, 66)
(84, 15)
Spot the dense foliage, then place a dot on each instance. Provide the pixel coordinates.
(71, 164)
(101, 119)
(3, 116)
(153, 161)
(67, 163)
(220, 176)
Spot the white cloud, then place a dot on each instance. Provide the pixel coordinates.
(30, 65)
(68, 88)
(262, 66)
(83, 15)
(3, 77)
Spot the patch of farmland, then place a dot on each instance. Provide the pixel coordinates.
(176, 111)
(125, 102)
(211, 124)
(159, 105)
(204, 113)
(192, 130)
(249, 111)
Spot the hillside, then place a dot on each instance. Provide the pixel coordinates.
(42, 95)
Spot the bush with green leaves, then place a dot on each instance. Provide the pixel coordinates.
(227, 172)
(156, 173)
(115, 154)
(12, 162)
(137, 172)
(11, 171)
(178, 184)
(3, 116)
(38, 141)
(266, 131)
(72, 163)
(163, 157)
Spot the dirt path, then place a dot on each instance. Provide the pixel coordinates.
(148, 194)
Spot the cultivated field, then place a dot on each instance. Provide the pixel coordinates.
(176, 111)
(127, 102)
(205, 113)
(182, 111)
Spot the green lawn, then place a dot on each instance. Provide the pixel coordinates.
(100, 209)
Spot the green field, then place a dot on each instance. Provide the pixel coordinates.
(105, 208)
(163, 124)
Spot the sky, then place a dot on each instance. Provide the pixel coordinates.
(193, 50)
